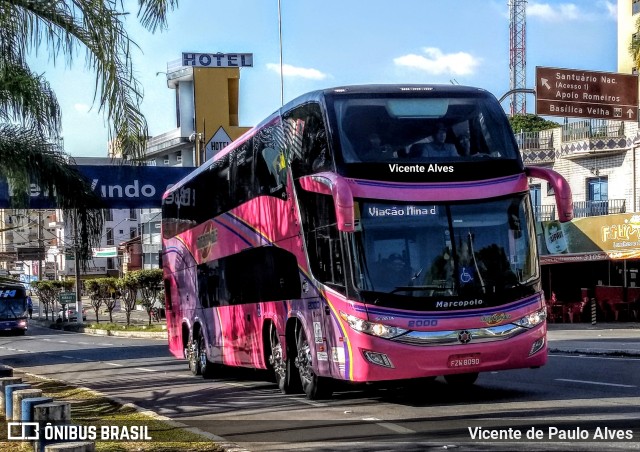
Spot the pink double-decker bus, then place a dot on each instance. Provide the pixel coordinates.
(361, 233)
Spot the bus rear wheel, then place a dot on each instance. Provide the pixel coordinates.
(314, 387)
(206, 366)
(194, 356)
(284, 369)
(461, 380)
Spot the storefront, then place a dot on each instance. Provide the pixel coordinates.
(594, 257)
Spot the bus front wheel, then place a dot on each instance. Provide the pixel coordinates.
(314, 387)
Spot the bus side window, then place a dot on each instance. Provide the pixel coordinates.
(243, 181)
(322, 238)
(266, 273)
(307, 139)
(271, 167)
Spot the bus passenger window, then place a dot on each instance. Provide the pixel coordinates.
(308, 147)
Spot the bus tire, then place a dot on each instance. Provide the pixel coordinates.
(314, 387)
(277, 361)
(284, 370)
(194, 356)
(206, 366)
(461, 380)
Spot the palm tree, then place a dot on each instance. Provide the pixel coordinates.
(30, 117)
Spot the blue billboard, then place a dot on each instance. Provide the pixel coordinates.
(119, 186)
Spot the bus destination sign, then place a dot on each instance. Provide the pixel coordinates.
(586, 94)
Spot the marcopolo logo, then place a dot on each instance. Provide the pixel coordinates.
(459, 303)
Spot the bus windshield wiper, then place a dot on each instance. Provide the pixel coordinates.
(416, 288)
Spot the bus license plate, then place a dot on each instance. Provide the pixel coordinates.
(471, 360)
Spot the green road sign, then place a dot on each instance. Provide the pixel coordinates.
(67, 297)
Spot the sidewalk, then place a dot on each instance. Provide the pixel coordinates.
(612, 339)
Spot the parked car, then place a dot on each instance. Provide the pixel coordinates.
(70, 314)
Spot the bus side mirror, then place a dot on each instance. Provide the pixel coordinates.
(561, 188)
(338, 188)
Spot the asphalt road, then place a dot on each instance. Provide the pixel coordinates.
(572, 396)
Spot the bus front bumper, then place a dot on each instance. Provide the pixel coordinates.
(425, 354)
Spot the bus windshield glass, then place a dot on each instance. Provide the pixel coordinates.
(444, 249)
(422, 125)
(12, 308)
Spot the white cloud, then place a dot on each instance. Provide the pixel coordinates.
(292, 71)
(570, 11)
(82, 108)
(434, 61)
(612, 9)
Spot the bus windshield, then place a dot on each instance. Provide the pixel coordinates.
(12, 308)
(410, 126)
(444, 249)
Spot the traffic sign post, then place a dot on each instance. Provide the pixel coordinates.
(586, 94)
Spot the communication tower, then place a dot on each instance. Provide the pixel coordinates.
(517, 54)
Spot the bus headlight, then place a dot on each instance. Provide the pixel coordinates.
(533, 319)
(374, 329)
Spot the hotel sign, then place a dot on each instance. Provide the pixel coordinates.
(217, 59)
(586, 94)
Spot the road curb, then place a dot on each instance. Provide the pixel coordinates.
(75, 328)
(226, 445)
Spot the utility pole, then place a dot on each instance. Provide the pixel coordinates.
(76, 253)
(76, 257)
(40, 246)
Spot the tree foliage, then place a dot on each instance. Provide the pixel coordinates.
(634, 47)
(30, 116)
(47, 292)
(149, 284)
(128, 291)
(530, 123)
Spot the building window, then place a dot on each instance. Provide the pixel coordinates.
(133, 214)
(111, 263)
(598, 196)
(108, 215)
(597, 189)
(179, 156)
(133, 233)
(535, 192)
(110, 236)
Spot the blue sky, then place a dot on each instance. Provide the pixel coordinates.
(338, 42)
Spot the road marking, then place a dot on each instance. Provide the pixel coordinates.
(311, 402)
(388, 425)
(114, 364)
(595, 383)
(145, 370)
